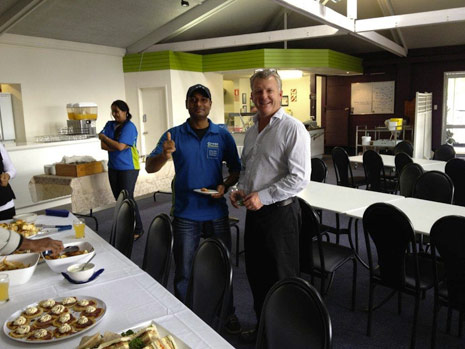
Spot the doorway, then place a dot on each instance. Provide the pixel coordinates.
(154, 117)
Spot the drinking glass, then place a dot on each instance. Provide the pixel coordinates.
(4, 285)
(239, 202)
(79, 226)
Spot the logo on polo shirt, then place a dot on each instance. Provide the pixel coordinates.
(212, 150)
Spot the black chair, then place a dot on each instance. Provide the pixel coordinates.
(319, 170)
(448, 238)
(401, 160)
(344, 175)
(124, 228)
(320, 258)
(294, 316)
(445, 152)
(408, 178)
(455, 169)
(404, 147)
(399, 266)
(210, 284)
(159, 249)
(434, 186)
(376, 178)
(123, 195)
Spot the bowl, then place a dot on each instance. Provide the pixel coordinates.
(61, 264)
(27, 217)
(21, 276)
(76, 274)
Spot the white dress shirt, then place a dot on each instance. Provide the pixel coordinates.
(276, 162)
(10, 169)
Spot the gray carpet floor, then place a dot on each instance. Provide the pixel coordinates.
(389, 330)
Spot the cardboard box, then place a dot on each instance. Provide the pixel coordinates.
(78, 170)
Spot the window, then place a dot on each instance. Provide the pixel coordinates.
(453, 130)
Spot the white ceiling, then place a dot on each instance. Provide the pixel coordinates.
(139, 24)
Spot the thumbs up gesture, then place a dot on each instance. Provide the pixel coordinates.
(168, 146)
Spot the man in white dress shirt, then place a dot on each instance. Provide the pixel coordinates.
(276, 166)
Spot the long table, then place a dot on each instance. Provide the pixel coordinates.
(388, 161)
(131, 296)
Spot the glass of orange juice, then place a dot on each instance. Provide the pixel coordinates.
(79, 228)
(4, 284)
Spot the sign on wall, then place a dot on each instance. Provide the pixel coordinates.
(372, 97)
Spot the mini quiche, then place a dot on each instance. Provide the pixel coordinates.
(65, 318)
(57, 310)
(82, 304)
(92, 312)
(82, 323)
(63, 331)
(48, 304)
(44, 321)
(69, 302)
(32, 312)
(19, 321)
(40, 335)
(21, 331)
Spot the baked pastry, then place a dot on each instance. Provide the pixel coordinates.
(57, 310)
(63, 331)
(82, 304)
(21, 331)
(169, 342)
(65, 318)
(69, 302)
(47, 304)
(92, 312)
(204, 189)
(43, 322)
(32, 312)
(40, 335)
(19, 321)
(83, 322)
(88, 342)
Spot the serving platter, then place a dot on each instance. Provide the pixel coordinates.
(51, 327)
(206, 192)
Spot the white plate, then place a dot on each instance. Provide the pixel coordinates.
(100, 304)
(208, 192)
(161, 330)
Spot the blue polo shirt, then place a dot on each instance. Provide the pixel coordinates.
(198, 164)
(127, 159)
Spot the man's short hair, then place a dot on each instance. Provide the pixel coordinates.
(265, 74)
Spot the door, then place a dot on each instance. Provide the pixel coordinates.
(335, 113)
(154, 117)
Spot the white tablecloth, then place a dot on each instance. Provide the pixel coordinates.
(131, 295)
(388, 161)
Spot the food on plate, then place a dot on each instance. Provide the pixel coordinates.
(63, 331)
(21, 331)
(92, 312)
(6, 265)
(82, 304)
(90, 341)
(83, 322)
(44, 321)
(40, 335)
(204, 189)
(32, 312)
(69, 301)
(47, 304)
(19, 321)
(148, 334)
(67, 254)
(65, 318)
(58, 309)
(22, 227)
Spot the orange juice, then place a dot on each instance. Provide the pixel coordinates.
(79, 229)
(4, 283)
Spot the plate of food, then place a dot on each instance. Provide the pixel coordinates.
(206, 191)
(26, 229)
(147, 334)
(54, 319)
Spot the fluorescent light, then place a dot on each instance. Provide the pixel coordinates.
(290, 74)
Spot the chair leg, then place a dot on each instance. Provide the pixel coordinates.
(356, 235)
(238, 237)
(322, 284)
(415, 318)
(331, 280)
(399, 303)
(370, 308)
(337, 228)
(449, 316)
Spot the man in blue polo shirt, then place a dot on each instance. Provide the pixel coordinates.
(198, 148)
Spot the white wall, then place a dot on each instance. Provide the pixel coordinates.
(301, 108)
(53, 73)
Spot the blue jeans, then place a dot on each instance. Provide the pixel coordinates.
(187, 235)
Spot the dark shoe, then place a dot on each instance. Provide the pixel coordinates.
(137, 236)
(249, 336)
(233, 326)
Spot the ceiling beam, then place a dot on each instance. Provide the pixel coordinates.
(388, 10)
(17, 12)
(314, 10)
(249, 39)
(180, 24)
(411, 20)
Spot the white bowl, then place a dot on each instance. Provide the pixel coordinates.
(76, 274)
(21, 276)
(61, 265)
(27, 217)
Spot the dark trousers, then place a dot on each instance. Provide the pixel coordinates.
(271, 248)
(120, 180)
(7, 214)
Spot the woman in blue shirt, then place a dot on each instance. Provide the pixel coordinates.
(119, 138)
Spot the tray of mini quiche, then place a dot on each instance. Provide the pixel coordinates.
(54, 319)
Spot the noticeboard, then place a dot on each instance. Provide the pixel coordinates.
(372, 97)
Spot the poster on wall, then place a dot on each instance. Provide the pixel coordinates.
(285, 101)
(293, 95)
